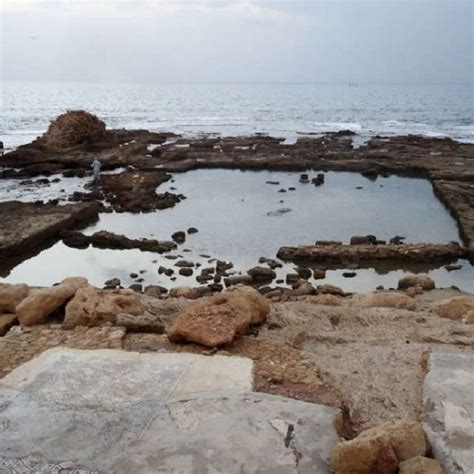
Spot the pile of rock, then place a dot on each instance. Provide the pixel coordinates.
(73, 128)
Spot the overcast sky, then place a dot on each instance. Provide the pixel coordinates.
(251, 41)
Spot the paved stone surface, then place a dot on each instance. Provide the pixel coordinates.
(448, 400)
(113, 378)
(51, 421)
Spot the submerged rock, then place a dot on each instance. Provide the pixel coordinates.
(259, 274)
(179, 237)
(221, 318)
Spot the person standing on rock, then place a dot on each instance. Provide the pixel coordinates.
(96, 165)
(2, 151)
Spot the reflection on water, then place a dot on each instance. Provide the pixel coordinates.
(230, 209)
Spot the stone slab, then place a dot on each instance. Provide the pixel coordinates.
(230, 430)
(112, 378)
(448, 410)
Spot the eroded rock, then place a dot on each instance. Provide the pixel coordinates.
(454, 308)
(94, 307)
(422, 280)
(384, 299)
(40, 303)
(220, 318)
(378, 450)
(11, 296)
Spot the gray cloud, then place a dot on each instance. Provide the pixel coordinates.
(147, 40)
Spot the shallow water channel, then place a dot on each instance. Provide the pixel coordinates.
(241, 217)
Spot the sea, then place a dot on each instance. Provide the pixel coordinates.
(279, 109)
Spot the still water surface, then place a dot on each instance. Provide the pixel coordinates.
(241, 217)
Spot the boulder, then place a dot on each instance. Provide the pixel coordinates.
(420, 465)
(365, 456)
(261, 274)
(40, 303)
(93, 307)
(454, 308)
(380, 449)
(470, 317)
(421, 280)
(220, 318)
(11, 296)
(384, 299)
(184, 292)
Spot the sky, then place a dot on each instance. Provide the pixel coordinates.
(378, 41)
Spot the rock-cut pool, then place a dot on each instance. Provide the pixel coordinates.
(241, 216)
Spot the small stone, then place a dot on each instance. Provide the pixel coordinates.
(319, 274)
(113, 283)
(186, 271)
(179, 237)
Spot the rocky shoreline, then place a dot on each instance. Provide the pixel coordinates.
(374, 358)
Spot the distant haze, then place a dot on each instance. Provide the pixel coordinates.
(237, 41)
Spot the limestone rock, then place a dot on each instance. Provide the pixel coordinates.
(470, 317)
(326, 300)
(141, 323)
(406, 437)
(384, 299)
(42, 302)
(184, 292)
(448, 410)
(365, 456)
(93, 307)
(11, 296)
(380, 449)
(6, 322)
(422, 280)
(420, 465)
(454, 308)
(220, 318)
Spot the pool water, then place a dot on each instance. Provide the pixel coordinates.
(241, 217)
